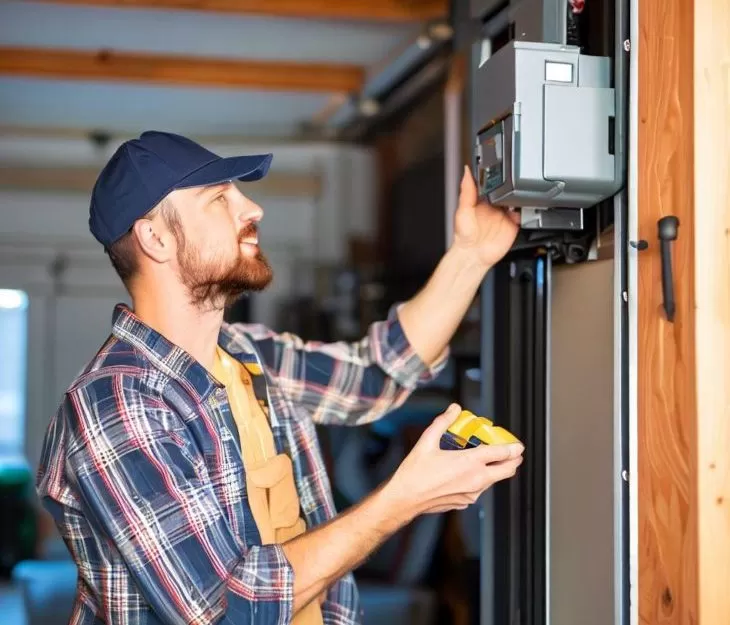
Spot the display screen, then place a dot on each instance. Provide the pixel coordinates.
(558, 72)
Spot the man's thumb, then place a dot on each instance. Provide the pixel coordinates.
(468, 194)
(440, 424)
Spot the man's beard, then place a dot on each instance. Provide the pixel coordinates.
(218, 283)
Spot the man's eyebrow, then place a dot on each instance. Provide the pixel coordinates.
(210, 189)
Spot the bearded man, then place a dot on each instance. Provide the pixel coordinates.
(182, 467)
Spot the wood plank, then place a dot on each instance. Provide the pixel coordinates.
(179, 70)
(712, 302)
(81, 180)
(667, 413)
(376, 10)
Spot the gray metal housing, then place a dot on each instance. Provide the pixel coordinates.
(545, 127)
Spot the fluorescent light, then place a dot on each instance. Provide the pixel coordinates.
(12, 299)
(424, 42)
(441, 31)
(369, 107)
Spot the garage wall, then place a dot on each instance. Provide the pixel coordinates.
(46, 250)
(583, 448)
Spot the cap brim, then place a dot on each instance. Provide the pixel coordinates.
(244, 168)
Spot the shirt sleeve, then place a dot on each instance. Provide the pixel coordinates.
(141, 487)
(347, 383)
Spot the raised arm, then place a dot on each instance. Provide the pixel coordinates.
(346, 383)
(483, 234)
(354, 383)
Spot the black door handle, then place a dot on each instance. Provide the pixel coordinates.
(668, 227)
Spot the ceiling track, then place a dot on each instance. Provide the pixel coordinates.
(392, 86)
(400, 100)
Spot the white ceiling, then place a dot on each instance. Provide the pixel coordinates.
(127, 108)
(130, 108)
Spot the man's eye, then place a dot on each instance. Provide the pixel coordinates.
(221, 198)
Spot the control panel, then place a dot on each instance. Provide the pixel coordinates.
(545, 129)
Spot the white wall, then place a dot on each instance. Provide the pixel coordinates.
(46, 250)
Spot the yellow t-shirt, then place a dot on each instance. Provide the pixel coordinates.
(272, 494)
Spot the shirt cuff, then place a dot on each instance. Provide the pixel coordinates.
(267, 578)
(395, 354)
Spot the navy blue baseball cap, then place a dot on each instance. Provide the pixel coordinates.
(143, 171)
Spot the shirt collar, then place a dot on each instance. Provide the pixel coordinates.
(171, 359)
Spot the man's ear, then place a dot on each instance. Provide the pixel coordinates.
(154, 239)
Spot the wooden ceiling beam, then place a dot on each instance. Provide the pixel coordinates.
(402, 11)
(13, 131)
(106, 65)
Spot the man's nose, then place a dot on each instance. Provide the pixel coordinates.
(250, 214)
(254, 212)
(247, 210)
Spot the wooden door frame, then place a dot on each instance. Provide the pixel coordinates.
(682, 168)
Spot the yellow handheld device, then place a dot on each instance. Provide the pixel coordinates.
(469, 430)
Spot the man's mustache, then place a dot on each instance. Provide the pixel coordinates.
(251, 230)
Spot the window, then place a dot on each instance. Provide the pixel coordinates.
(13, 358)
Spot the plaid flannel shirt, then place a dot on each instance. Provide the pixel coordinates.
(141, 469)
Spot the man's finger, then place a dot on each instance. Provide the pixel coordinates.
(489, 454)
(498, 471)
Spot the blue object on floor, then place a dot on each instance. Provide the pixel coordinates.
(48, 588)
(11, 605)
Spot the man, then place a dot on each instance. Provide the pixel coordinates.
(182, 467)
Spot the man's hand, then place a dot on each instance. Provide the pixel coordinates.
(484, 230)
(432, 479)
(429, 480)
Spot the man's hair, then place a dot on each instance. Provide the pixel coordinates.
(124, 252)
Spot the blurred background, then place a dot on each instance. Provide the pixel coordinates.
(363, 105)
